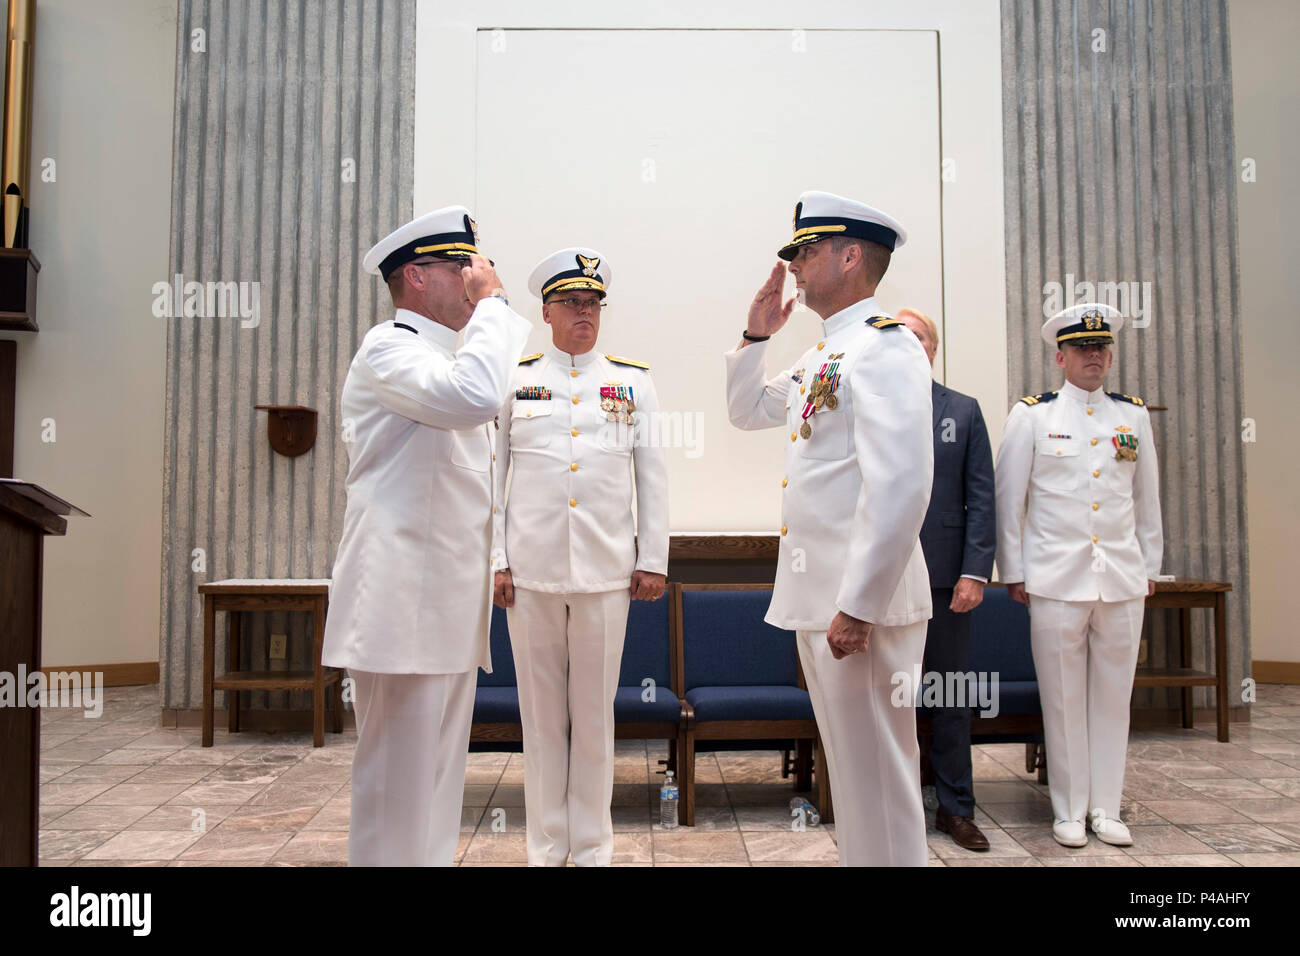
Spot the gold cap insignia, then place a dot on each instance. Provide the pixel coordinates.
(589, 266)
(1092, 321)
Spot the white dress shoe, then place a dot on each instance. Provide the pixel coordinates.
(1069, 833)
(1109, 830)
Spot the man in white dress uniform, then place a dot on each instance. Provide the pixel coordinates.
(412, 583)
(1080, 542)
(576, 430)
(851, 579)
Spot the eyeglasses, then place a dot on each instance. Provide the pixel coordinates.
(581, 305)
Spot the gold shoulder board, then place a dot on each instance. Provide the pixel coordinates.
(883, 322)
(530, 358)
(1131, 399)
(619, 360)
(1040, 397)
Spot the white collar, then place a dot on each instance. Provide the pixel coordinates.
(1079, 395)
(568, 360)
(847, 316)
(436, 332)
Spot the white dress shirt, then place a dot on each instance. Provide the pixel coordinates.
(412, 583)
(1076, 523)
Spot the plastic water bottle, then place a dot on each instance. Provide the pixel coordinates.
(801, 808)
(668, 803)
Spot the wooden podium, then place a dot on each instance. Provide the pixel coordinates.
(27, 514)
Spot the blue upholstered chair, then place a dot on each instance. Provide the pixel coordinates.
(742, 682)
(999, 644)
(642, 710)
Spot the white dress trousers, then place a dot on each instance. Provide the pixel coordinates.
(1085, 653)
(568, 649)
(871, 748)
(408, 774)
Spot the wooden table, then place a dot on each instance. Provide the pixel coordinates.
(1185, 595)
(267, 594)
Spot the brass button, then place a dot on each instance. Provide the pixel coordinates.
(784, 482)
(573, 467)
(573, 502)
(494, 509)
(1094, 539)
(801, 389)
(576, 399)
(784, 529)
(1096, 474)
(528, 414)
(573, 432)
(820, 346)
(1090, 411)
(1095, 506)
(1058, 451)
(573, 373)
(794, 435)
(494, 457)
(1094, 441)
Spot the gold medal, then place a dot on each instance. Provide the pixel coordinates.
(819, 401)
(832, 402)
(805, 430)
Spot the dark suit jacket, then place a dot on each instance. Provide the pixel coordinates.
(959, 535)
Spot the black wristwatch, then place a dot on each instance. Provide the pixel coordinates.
(753, 338)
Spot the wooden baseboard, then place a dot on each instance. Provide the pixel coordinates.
(262, 721)
(115, 675)
(1275, 672)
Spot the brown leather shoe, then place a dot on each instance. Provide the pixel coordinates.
(963, 829)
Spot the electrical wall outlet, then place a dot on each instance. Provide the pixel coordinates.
(279, 643)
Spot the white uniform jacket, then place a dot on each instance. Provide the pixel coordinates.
(412, 583)
(856, 492)
(567, 525)
(1076, 522)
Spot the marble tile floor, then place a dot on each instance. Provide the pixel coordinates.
(118, 790)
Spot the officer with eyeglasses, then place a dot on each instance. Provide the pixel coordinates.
(577, 438)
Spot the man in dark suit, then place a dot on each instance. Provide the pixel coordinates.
(959, 539)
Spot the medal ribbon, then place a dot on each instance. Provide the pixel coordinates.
(829, 373)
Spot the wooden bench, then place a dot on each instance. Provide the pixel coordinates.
(235, 596)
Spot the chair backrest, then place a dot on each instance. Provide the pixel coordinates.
(999, 637)
(503, 658)
(726, 642)
(646, 647)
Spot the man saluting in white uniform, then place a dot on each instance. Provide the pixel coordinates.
(412, 584)
(851, 579)
(1080, 542)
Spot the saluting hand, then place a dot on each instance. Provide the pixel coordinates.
(480, 279)
(767, 315)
